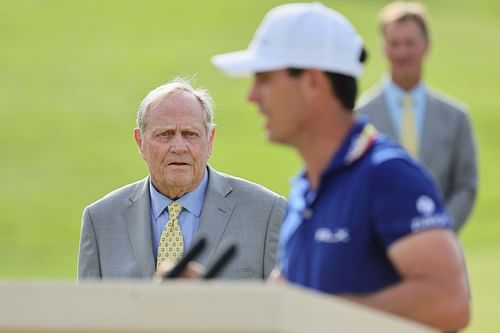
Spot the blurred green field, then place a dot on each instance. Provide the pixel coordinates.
(72, 74)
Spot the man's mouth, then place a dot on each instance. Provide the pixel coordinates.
(178, 164)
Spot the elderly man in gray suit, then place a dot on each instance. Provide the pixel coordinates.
(132, 230)
(434, 128)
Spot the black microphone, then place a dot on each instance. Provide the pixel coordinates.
(190, 255)
(221, 261)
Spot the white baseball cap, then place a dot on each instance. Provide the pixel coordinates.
(298, 35)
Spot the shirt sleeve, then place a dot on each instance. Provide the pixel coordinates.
(404, 201)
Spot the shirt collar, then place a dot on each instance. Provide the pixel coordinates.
(396, 92)
(356, 144)
(191, 201)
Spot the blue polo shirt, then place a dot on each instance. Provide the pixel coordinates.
(335, 239)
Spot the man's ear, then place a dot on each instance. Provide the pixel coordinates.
(427, 48)
(138, 140)
(314, 81)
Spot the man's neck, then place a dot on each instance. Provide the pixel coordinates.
(406, 83)
(319, 150)
(173, 193)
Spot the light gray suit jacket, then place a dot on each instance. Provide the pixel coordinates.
(447, 147)
(116, 236)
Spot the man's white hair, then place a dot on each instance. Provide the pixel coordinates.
(175, 86)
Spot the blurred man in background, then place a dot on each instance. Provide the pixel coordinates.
(364, 221)
(134, 229)
(433, 128)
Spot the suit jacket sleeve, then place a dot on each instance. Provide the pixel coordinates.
(89, 266)
(464, 179)
(273, 230)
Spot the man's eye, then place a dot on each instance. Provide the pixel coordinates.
(190, 134)
(263, 78)
(164, 134)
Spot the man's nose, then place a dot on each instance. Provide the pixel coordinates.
(253, 95)
(403, 51)
(178, 144)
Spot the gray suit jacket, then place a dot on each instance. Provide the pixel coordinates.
(447, 147)
(116, 236)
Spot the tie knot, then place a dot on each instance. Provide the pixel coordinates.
(407, 101)
(174, 209)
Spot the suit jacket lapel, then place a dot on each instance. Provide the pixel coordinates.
(215, 214)
(137, 217)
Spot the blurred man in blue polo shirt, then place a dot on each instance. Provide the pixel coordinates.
(364, 220)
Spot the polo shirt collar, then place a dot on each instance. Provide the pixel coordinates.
(356, 144)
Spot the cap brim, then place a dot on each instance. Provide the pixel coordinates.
(243, 63)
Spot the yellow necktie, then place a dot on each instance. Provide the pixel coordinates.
(408, 134)
(171, 245)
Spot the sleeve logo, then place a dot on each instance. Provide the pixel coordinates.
(428, 218)
(425, 205)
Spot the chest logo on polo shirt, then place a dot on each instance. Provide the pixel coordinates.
(325, 235)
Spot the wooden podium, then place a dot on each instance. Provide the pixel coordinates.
(184, 307)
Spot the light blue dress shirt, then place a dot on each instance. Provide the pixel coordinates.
(393, 96)
(189, 217)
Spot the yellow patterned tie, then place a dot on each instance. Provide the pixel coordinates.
(171, 245)
(408, 134)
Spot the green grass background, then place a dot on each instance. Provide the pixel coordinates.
(72, 74)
